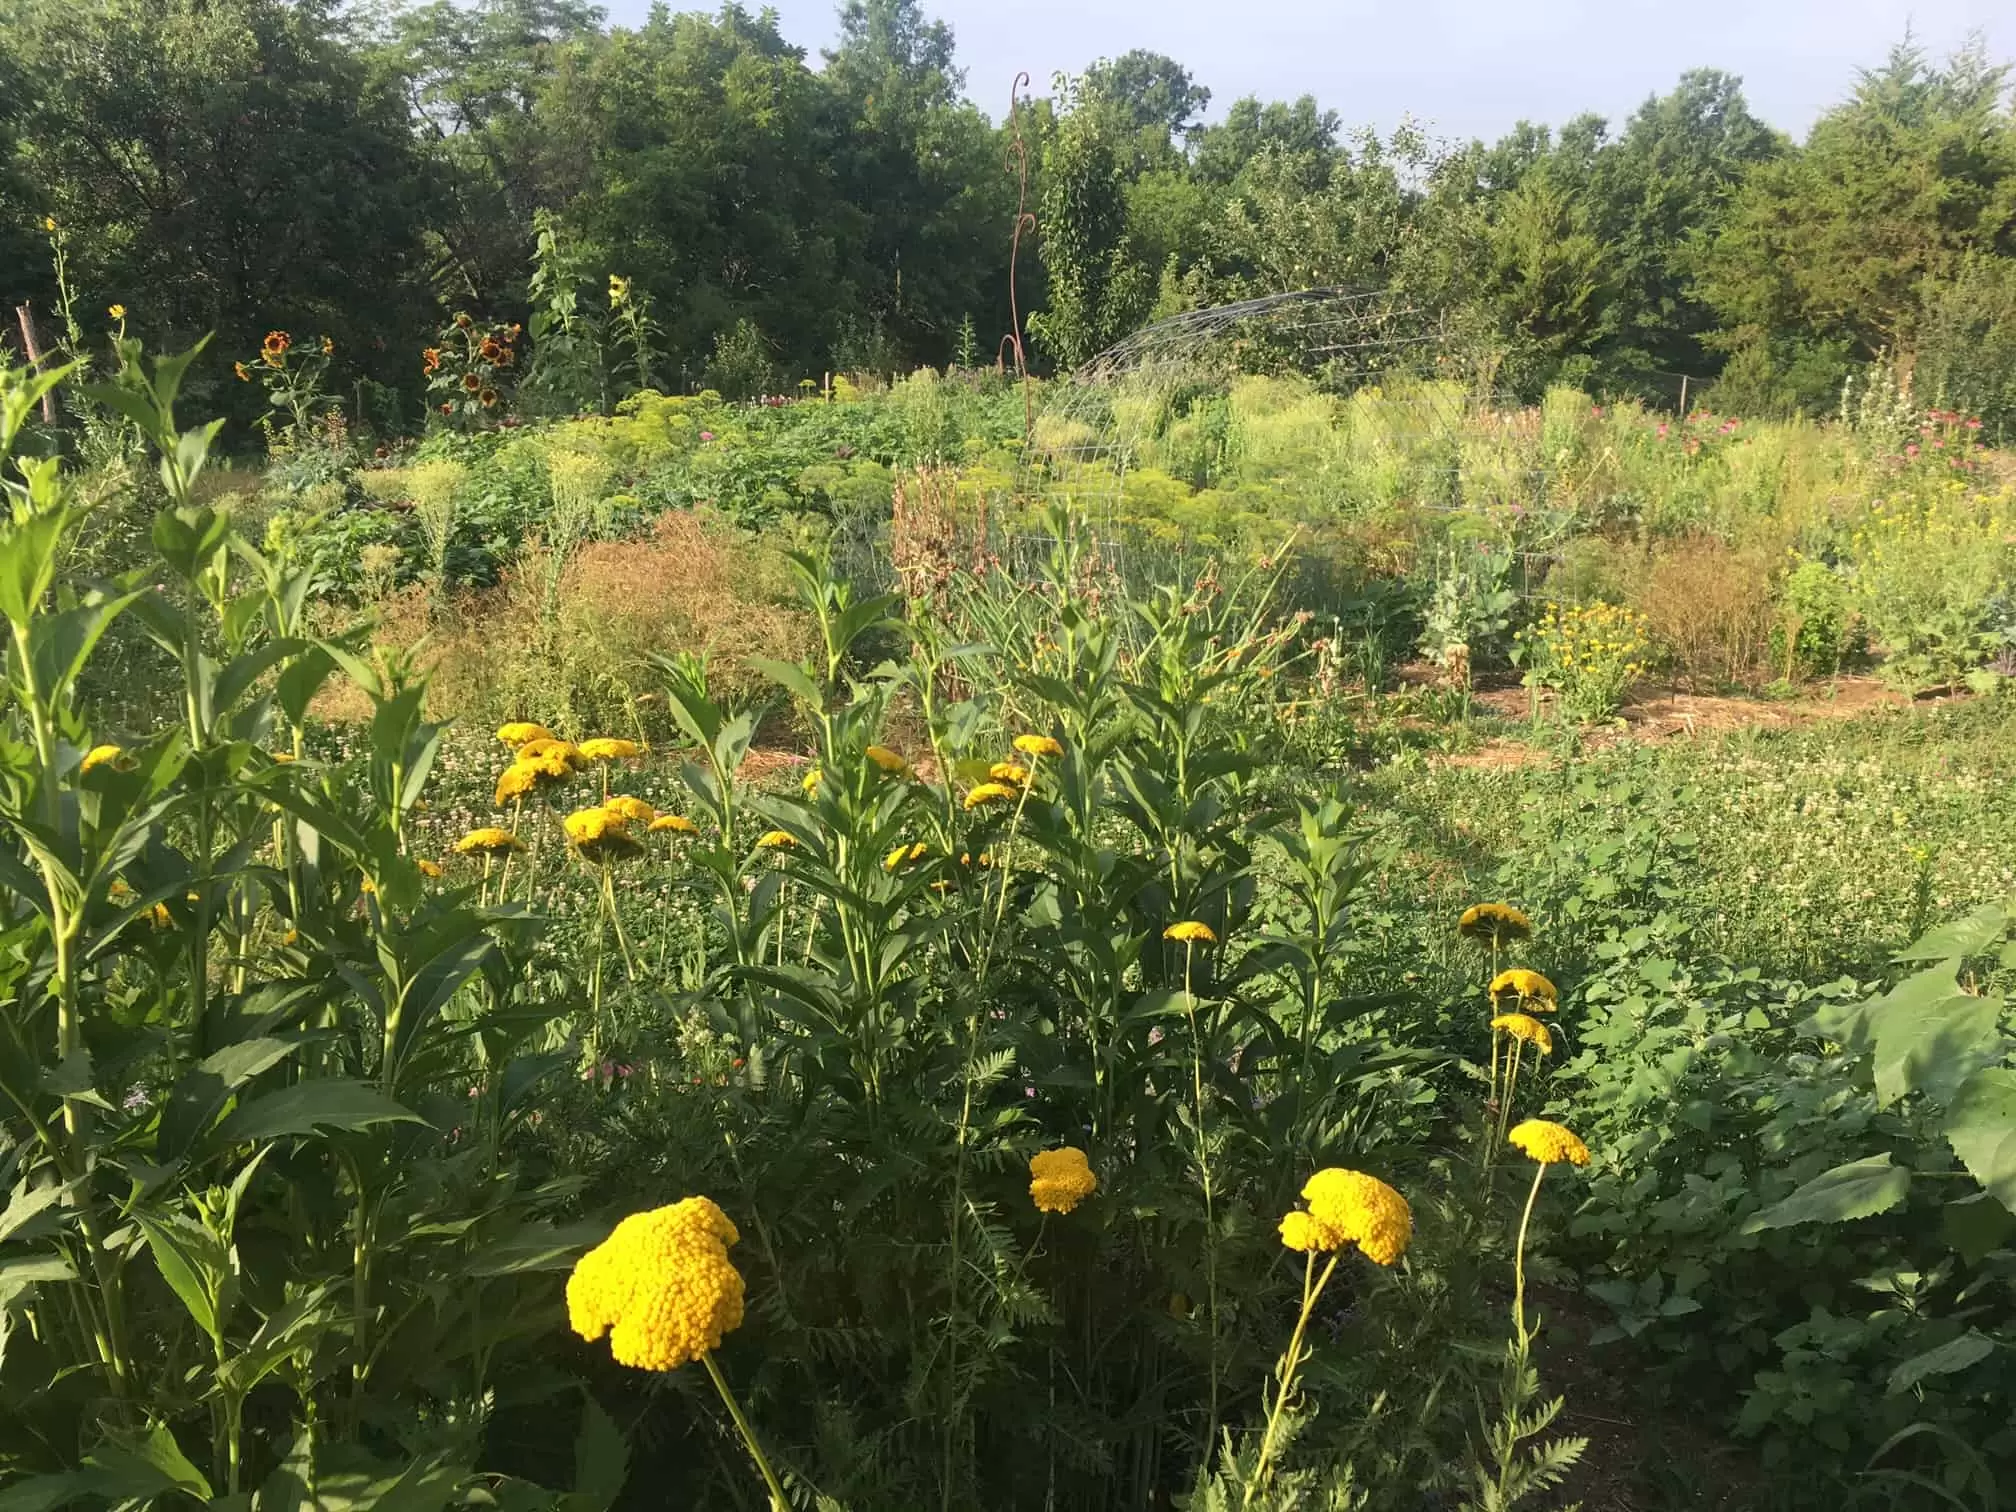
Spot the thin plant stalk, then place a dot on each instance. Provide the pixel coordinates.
(776, 1489)
(1204, 1177)
(1291, 1362)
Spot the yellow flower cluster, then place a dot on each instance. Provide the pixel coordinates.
(529, 775)
(522, 732)
(1349, 1207)
(1496, 922)
(661, 1286)
(102, 755)
(1038, 745)
(1591, 652)
(990, 792)
(630, 810)
(606, 748)
(1523, 1026)
(548, 745)
(1011, 772)
(904, 855)
(777, 840)
(1190, 932)
(1060, 1179)
(677, 824)
(1549, 1143)
(601, 834)
(889, 761)
(1529, 987)
(488, 841)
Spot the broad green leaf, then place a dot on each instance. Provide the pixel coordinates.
(333, 1103)
(791, 676)
(29, 1214)
(200, 1095)
(601, 1461)
(45, 1493)
(1961, 938)
(1954, 1355)
(188, 1259)
(145, 1465)
(1981, 1127)
(1975, 1226)
(19, 1272)
(1931, 1044)
(1859, 1189)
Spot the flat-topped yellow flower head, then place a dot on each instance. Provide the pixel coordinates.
(777, 840)
(1357, 1209)
(889, 761)
(1038, 745)
(661, 1286)
(990, 792)
(1494, 923)
(608, 748)
(1531, 988)
(1523, 1026)
(599, 834)
(1191, 932)
(1060, 1179)
(1549, 1143)
(630, 810)
(522, 732)
(530, 775)
(101, 755)
(489, 841)
(677, 824)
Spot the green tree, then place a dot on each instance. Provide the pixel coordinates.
(1098, 289)
(1155, 93)
(222, 165)
(1302, 130)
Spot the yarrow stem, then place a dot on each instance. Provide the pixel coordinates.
(777, 1501)
(1519, 1257)
(1291, 1362)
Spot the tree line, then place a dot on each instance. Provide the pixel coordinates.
(365, 171)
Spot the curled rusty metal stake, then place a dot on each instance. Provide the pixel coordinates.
(1018, 164)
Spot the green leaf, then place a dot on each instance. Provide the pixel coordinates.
(1961, 938)
(1931, 1044)
(1859, 1189)
(44, 1493)
(1981, 1127)
(200, 1094)
(188, 1259)
(145, 1465)
(19, 1272)
(1975, 1226)
(335, 1103)
(1954, 1355)
(601, 1461)
(791, 676)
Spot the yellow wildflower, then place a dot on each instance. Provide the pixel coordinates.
(1529, 986)
(528, 775)
(1363, 1210)
(1038, 745)
(1525, 1027)
(598, 833)
(1011, 772)
(1060, 1179)
(1308, 1233)
(102, 755)
(159, 916)
(1549, 1143)
(989, 792)
(117, 311)
(488, 841)
(430, 868)
(630, 810)
(887, 760)
(777, 840)
(522, 732)
(1494, 921)
(661, 1286)
(678, 824)
(548, 745)
(903, 855)
(811, 780)
(1191, 931)
(608, 748)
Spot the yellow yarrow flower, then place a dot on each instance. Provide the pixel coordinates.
(888, 760)
(903, 855)
(525, 777)
(1549, 1143)
(989, 792)
(608, 748)
(1190, 931)
(661, 1286)
(1011, 772)
(548, 745)
(102, 755)
(1524, 1026)
(1038, 745)
(430, 868)
(777, 840)
(117, 311)
(1308, 1234)
(488, 841)
(522, 732)
(1060, 1179)
(1363, 1210)
(630, 810)
(1494, 921)
(1530, 986)
(598, 833)
(677, 824)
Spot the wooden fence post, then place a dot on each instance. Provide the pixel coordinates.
(25, 314)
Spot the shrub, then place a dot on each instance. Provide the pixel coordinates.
(1589, 654)
(1815, 631)
(1926, 578)
(1708, 608)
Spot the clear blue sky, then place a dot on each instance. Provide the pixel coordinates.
(1463, 67)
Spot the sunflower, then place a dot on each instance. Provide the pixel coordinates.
(990, 792)
(472, 381)
(274, 347)
(1494, 923)
(244, 373)
(1528, 986)
(608, 748)
(463, 321)
(1190, 932)
(491, 349)
(1523, 1026)
(1549, 1143)
(1038, 745)
(430, 360)
(488, 398)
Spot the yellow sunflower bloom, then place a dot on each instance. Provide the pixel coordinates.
(990, 792)
(1497, 922)
(522, 732)
(1363, 1210)
(607, 748)
(1060, 1179)
(677, 824)
(1038, 745)
(489, 841)
(1549, 1143)
(1529, 986)
(630, 810)
(661, 1286)
(1524, 1026)
(1191, 931)
(904, 855)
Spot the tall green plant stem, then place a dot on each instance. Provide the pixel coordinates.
(776, 1489)
(1519, 1258)
(1291, 1362)
(1204, 1177)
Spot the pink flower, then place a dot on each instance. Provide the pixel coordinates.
(1911, 450)
(1974, 422)
(1662, 430)
(1596, 412)
(706, 435)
